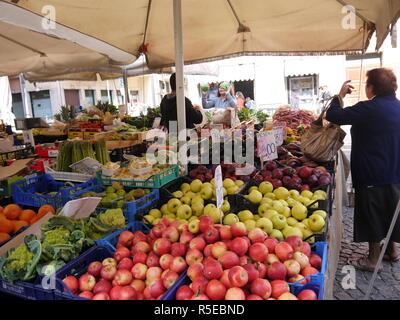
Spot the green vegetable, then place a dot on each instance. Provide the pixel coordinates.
(113, 217)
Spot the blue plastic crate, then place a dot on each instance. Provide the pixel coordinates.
(24, 191)
(142, 205)
(26, 290)
(316, 287)
(171, 293)
(75, 192)
(111, 240)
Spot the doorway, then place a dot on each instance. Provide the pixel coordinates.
(245, 87)
(72, 97)
(41, 104)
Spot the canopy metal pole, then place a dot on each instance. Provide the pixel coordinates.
(180, 90)
(383, 250)
(127, 99)
(24, 96)
(108, 92)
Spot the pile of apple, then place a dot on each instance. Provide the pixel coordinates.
(281, 212)
(143, 267)
(189, 202)
(299, 178)
(228, 172)
(232, 263)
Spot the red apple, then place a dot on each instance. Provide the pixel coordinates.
(212, 270)
(228, 259)
(146, 293)
(139, 236)
(109, 261)
(123, 277)
(225, 233)
(235, 294)
(165, 221)
(94, 268)
(170, 278)
(152, 260)
(184, 293)
(238, 229)
(194, 256)
(258, 252)
(186, 236)
(271, 243)
(199, 285)
(261, 268)
(171, 233)
(205, 223)
(138, 285)
(178, 249)
(87, 282)
(305, 172)
(126, 238)
(125, 263)
(287, 296)
(153, 273)
(277, 271)
(218, 248)
(284, 251)
(101, 296)
(72, 283)
(139, 271)
(107, 273)
(261, 287)
(197, 243)
(121, 253)
(307, 295)
(225, 278)
(238, 276)
(178, 264)
(165, 261)
(316, 261)
(239, 246)
(257, 235)
(162, 246)
(244, 260)
(306, 248)
(297, 278)
(127, 293)
(271, 258)
(141, 246)
(279, 287)
(307, 271)
(215, 290)
(158, 229)
(251, 271)
(195, 270)
(86, 295)
(253, 297)
(207, 250)
(103, 286)
(302, 259)
(211, 235)
(139, 257)
(295, 242)
(292, 267)
(200, 296)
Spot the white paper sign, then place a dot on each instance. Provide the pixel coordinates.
(87, 166)
(80, 208)
(266, 146)
(53, 153)
(218, 187)
(278, 131)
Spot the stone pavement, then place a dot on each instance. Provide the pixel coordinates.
(387, 283)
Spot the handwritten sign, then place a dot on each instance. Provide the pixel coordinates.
(278, 132)
(266, 146)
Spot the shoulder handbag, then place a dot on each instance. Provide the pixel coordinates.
(322, 141)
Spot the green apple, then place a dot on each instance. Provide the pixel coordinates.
(157, 220)
(195, 185)
(305, 222)
(294, 232)
(302, 227)
(276, 234)
(164, 209)
(225, 206)
(321, 193)
(194, 225)
(207, 184)
(149, 218)
(322, 213)
(286, 212)
(227, 183)
(265, 224)
(281, 193)
(294, 193)
(270, 213)
(208, 208)
(230, 219)
(197, 208)
(185, 187)
(197, 198)
(193, 218)
(266, 200)
(252, 188)
(250, 224)
(186, 200)
(245, 215)
(262, 209)
(265, 187)
(206, 193)
(256, 217)
(173, 205)
(299, 212)
(255, 196)
(278, 206)
(279, 221)
(155, 213)
(316, 222)
(184, 212)
(291, 221)
(171, 216)
(239, 183)
(190, 194)
(306, 234)
(291, 202)
(178, 194)
(270, 195)
(306, 194)
(232, 190)
(215, 214)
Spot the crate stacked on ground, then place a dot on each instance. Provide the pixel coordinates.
(22, 152)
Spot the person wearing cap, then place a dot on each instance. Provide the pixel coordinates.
(225, 98)
(209, 92)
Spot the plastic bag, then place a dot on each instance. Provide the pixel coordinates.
(322, 142)
(224, 116)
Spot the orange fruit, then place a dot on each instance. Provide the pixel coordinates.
(12, 211)
(19, 224)
(2, 216)
(36, 218)
(27, 215)
(4, 236)
(43, 210)
(1, 209)
(6, 226)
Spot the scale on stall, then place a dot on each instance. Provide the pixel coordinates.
(26, 125)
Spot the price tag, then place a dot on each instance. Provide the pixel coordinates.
(53, 153)
(266, 146)
(278, 132)
(87, 166)
(218, 187)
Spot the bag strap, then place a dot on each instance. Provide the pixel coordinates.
(327, 105)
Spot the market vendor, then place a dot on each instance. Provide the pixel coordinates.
(226, 97)
(168, 108)
(375, 163)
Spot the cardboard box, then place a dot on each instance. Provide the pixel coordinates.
(16, 167)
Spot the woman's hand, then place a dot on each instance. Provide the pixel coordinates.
(346, 89)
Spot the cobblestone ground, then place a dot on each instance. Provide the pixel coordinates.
(387, 283)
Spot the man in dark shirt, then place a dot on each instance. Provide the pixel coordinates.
(169, 108)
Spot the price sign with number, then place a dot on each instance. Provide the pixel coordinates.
(266, 146)
(278, 132)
